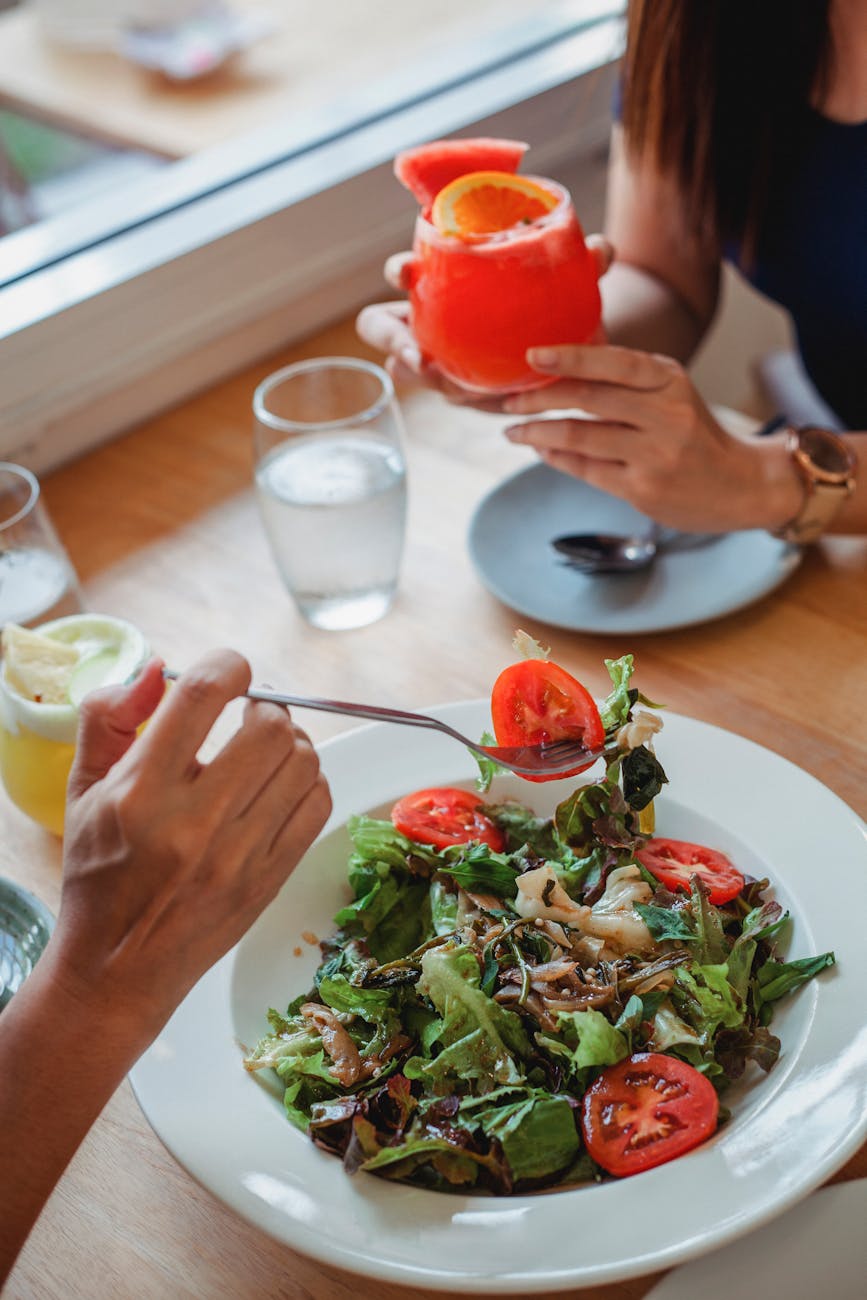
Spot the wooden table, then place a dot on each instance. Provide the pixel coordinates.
(162, 527)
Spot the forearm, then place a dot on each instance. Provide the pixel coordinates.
(641, 311)
(60, 1062)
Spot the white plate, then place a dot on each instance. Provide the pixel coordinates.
(821, 1244)
(509, 543)
(790, 1130)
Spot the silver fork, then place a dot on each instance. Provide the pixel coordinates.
(560, 756)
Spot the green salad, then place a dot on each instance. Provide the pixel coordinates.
(512, 1002)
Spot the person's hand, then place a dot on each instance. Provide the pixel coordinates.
(649, 438)
(386, 326)
(168, 861)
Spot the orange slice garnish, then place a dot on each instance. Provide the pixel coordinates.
(482, 203)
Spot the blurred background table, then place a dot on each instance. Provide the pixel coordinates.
(319, 54)
(162, 527)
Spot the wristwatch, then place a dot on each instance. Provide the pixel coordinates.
(827, 465)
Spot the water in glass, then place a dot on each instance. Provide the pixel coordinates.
(35, 584)
(334, 508)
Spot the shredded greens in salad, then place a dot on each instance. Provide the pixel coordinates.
(470, 997)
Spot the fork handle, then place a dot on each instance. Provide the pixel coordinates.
(373, 712)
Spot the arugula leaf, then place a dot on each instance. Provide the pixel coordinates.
(478, 868)
(666, 922)
(775, 979)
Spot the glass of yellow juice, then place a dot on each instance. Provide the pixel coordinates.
(45, 673)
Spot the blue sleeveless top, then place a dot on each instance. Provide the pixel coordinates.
(811, 258)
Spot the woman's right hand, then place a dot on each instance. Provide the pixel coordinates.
(386, 326)
(169, 860)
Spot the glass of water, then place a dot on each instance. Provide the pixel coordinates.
(331, 482)
(37, 580)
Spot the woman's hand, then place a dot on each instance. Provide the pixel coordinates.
(167, 861)
(649, 438)
(386, 326)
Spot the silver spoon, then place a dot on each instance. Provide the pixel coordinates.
(614, 553)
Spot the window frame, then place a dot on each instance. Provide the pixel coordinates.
(233, 267)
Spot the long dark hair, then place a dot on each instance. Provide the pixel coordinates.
(715, 92)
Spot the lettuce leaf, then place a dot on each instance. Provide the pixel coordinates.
(614, 710)
(488, 768)
(537, 1133)
(704, 998)
(587, 1040)
(372, 1004)
(481, 1042)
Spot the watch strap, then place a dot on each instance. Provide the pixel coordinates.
(827, 466)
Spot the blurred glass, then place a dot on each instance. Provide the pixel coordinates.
(37, 580)
(331, 480)
(25, 928)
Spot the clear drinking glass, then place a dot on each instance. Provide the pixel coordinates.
(37, 580)
(331, 482)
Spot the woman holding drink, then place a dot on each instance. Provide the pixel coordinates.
(743, 136)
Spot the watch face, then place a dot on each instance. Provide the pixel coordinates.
(828, 455)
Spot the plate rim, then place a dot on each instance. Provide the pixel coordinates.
(790, 558)
(295, 1235)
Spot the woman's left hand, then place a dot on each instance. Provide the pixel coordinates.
(649, 438)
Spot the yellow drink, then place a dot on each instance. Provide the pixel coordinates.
(35, 771)
(37, 740)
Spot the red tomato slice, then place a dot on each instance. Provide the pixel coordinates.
(674, 861)
(535, 701)
(645, 1111)
(445, 817)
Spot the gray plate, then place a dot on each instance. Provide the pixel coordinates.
(509, 543)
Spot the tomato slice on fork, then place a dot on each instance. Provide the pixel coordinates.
(535, 702)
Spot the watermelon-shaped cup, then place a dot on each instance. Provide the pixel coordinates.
(500, 263)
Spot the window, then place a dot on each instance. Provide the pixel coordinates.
(133, 298)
